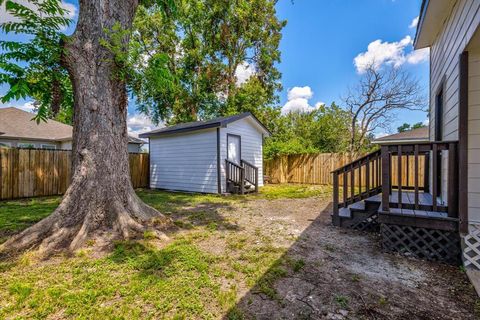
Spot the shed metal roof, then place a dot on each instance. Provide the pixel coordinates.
(199, 125)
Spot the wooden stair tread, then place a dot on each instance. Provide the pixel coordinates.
(345, 213)
(360, 205)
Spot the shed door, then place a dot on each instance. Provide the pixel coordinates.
(234, 148)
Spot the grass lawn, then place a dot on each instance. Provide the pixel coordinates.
(197, 274)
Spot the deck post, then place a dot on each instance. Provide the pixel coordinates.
(399, 175)
(426, 172)
(435, 173)
(352, 186)
(452, 186)
(416, 152)
(242, 180)
(256, 180)
(385, 179)
(227, 175)
(336, 218)
(367, 176)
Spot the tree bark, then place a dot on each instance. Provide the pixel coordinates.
(100, 203)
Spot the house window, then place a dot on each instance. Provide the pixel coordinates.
(439, 100)
(49, 146)
(439, 107)
(26, 145)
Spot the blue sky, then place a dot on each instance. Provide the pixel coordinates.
(320, 44)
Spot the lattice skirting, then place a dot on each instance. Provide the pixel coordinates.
(368, 224)
(422, 243)
(471, 251)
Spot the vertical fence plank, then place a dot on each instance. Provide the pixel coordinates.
(35, 172)
(317, 168)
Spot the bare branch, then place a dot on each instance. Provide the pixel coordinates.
(376, 98)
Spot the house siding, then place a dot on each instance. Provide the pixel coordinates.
(185, 162)
(15, 143)
(251, 145)
(474, 137)
(452, 40)
(134, 148)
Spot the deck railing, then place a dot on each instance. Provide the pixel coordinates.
(360, 179)
(438, 153)
(251, 173)
(391, 168)
(239, 174)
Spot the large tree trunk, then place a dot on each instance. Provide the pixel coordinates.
(100, 203)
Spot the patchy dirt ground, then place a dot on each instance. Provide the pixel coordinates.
(255, 257)
(342, 274)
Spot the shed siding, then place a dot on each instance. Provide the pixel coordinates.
(251, 145)
(474, 137)
(186, 162)
(457, 31)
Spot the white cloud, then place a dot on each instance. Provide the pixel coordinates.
(379, 53)
(27, 106)
(414, 23)
(7, 17)
(300, 93)
(139, 123)
(298, 100)
(243, 72)
(426, 122)
(299, 104)
(418, 56)
(389, 53)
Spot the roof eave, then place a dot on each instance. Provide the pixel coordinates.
(31, 138)
(431, 20)
(180, 130)
(421, 19)
(400, 141)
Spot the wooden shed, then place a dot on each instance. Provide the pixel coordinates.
(223, 155)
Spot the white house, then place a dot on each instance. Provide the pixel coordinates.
(17, 130)
(216, 156)
(451, 29)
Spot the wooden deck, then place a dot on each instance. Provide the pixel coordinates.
(409, 219)
(408, 199)
(404, 216)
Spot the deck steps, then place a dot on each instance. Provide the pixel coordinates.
(361, 215)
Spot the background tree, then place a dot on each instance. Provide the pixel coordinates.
(406, 126)
(373, 103)
(325, 129)
(100, 202)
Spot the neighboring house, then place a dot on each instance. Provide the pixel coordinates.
(17, 130)
(217, 156)
(410, 136)
(435, 214)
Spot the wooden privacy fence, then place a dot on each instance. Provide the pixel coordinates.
(317, 169)
(40, 172)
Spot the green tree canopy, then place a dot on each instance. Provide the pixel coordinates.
(406, 126)
(34, 68)
(185, 67)
(325, 129)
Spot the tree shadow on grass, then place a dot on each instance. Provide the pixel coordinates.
(333, 273)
